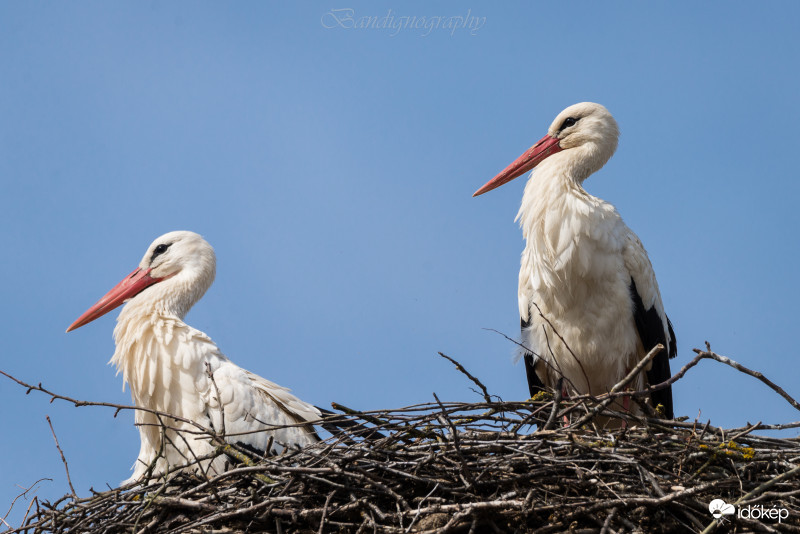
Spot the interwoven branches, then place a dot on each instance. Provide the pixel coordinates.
(472, 467)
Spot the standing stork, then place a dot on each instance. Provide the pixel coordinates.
(588, 298)
(169, 366)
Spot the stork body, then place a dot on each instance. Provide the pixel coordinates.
(589, 302)
(169, 366)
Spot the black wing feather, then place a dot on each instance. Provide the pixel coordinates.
(651, 332)
(673, 343)
(535, 384)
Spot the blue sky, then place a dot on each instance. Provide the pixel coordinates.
(332, 168)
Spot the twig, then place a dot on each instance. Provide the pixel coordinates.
(219, 400)
(557, 397)
(63, 459)
(755, 374)
(564, 342)
(23, 494)
(477, 382)
(545, 361)
(620, 385)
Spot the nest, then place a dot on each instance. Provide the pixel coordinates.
(543, 465)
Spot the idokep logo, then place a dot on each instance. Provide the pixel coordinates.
(720, 508)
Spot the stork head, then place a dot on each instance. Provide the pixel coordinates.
(587, 130)
(182, 263)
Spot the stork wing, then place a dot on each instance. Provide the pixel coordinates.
(252, 411)
(292, 406)
(256, 410)
(652, 323)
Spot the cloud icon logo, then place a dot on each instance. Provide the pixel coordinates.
(718, 508)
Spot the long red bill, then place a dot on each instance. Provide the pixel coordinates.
(131, 285)
(547, 146)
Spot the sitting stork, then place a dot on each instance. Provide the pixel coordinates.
(588, 298)
(169, 366)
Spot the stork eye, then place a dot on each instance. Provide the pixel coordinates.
(160, 249)
(569, 121)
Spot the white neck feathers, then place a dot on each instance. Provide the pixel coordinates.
(147, 326)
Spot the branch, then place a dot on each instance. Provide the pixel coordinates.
(755, 374)
(66, 467)
(477, 382)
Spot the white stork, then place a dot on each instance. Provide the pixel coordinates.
(585, 276)
(167, 364)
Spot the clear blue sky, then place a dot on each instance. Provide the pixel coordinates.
(332, 169)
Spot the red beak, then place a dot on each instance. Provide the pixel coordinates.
(547, 146)
(131, 286)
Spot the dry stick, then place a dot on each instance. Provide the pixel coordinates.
(543, 360)
(35, 501)
(607, 523)
(704, 355)
(708, 355)
(425, 498)
(66, 467)
(755, 374)
(477, 382)
(564, 341)
(745, 431)
(530, 417)
(325, 511)
(620, 385)
(201, 430)
(703, 432)
(557, 397)
(219, 398)
(23, 494)
(118, 407)
(465, 474)
(366, 416)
